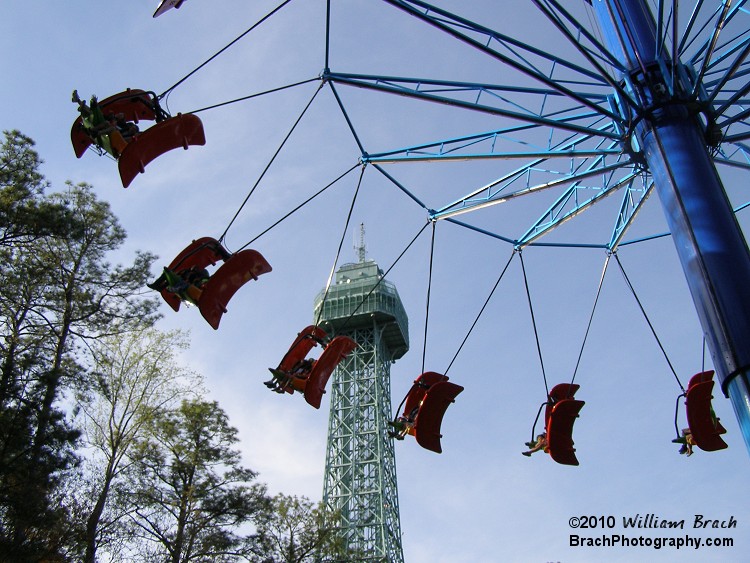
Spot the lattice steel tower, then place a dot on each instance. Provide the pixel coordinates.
(360, 472)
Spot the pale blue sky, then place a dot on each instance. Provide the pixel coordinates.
(479, 501)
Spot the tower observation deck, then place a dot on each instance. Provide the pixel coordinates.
(360, 472)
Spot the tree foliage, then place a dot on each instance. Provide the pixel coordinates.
(135, 376)
(58, 292)
(192, 495)
(298, 531)
(24, 214)
(142, 474)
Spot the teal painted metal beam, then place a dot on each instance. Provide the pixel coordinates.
(360, 471)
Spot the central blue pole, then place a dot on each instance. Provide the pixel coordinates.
(709, 241)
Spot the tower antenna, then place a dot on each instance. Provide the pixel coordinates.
(360, 246)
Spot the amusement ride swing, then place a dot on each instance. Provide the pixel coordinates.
(309, 376)
(166, 5)
(561, 408)
(111, 126)
(187, 280)
(430, 395)
(704, 428)
(650, 107)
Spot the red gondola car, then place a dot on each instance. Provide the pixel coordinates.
(424, 407)
(212, 293)
(298, 373)
(111, 125)
(560, 414)
(703, 423)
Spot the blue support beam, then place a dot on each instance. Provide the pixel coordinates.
(712, 250)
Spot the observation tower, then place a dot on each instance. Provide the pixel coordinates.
(360, 471)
